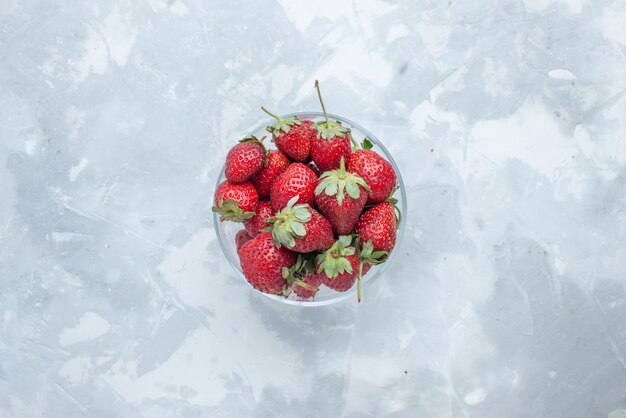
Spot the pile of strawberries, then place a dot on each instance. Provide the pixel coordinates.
(317, 211)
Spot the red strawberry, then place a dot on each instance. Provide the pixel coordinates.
(326, 153)
(297, 180)
(379, 226)
(241, 238)
(338, 266)
(257, 223)
(244, 160)
(277, 162)
(341, 196)
(292, 136)
(310, 287)
(302, 278)
(235, 201)
(332, 142)
(301, 228)
(262, 263)
(376, 171)
(377, 235)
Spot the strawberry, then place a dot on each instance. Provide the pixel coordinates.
(277, 162)
(309, 287)
(300, 228)
(376, 230)
(332, 141)
(302, 278)
(262, 263)
(241, 238)
(296, 180)
(341, 196)
(378, 225)
(244, 160)
(292, 136)
(326, 153)
(338, 266)
(235, 201)
(375, 170)
(257, 223)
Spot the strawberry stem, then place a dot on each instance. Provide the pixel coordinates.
(319, 94)
(355, 145)
(278, 118)
(342, 169)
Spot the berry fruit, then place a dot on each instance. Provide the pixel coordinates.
(262, 263)
(296, 180)
(235, 201)
(340, 196)
(332, 142)
(257, 223)
(292, 136)
(244, 160)
(376, 171)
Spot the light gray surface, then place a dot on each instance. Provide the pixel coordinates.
(508, 296)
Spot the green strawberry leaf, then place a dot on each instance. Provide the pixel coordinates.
(331, 188)
(301, 213)
(366, 251)
(379, 254)
(333, 261)
(288, 224)
(252, 138)
(353, 190)
(343, 265)
(367, 144)
(330, 129)
(339, 182)
(369, 256)
(286, 273)
(340, 188)
(293, 200)
(298, 229)
(345, 240)
(282, 124)
(229, 210)
(301, 268)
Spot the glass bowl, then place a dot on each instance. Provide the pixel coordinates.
(226, 231)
